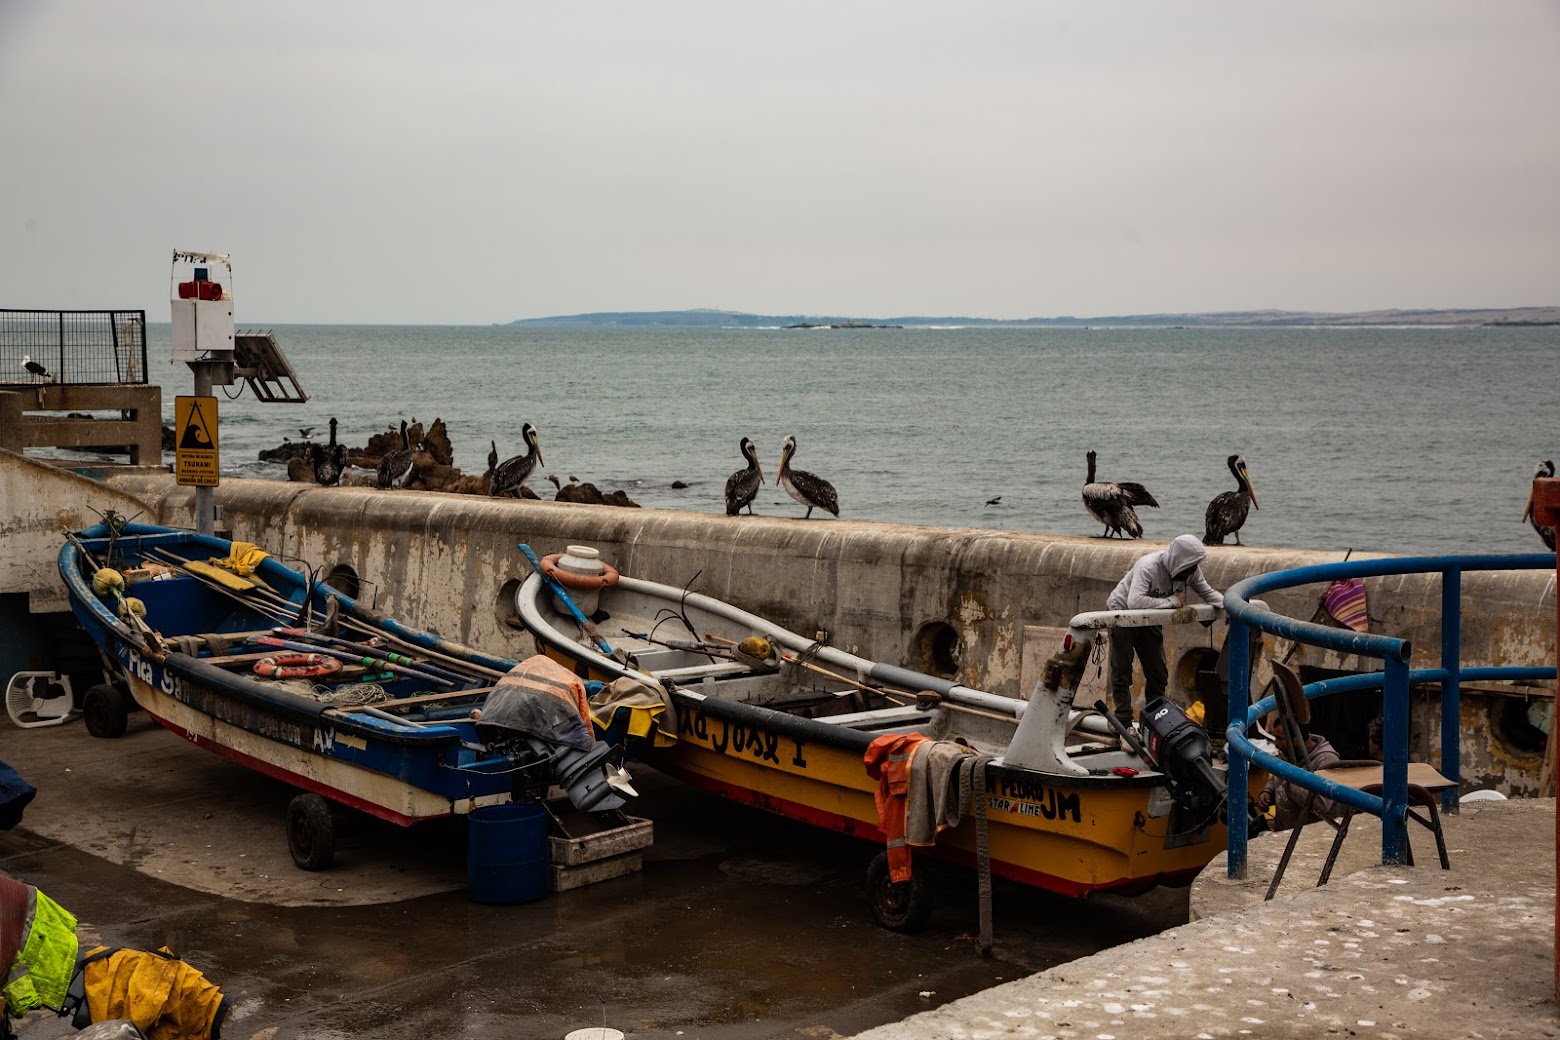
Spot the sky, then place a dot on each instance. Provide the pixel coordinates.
(388, 161)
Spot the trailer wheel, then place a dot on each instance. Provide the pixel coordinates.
(105, 711)
(311, 832)
(899, 907)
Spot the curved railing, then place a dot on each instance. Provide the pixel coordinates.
(1393, 680)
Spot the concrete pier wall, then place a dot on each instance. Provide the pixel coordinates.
(886, 591)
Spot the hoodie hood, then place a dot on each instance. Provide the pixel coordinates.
(1184, 553)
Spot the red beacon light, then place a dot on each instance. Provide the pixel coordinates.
(201, 287)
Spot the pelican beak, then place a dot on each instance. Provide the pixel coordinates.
(539, 460)
(760, 467)
(1527, 510)
(1246, 479)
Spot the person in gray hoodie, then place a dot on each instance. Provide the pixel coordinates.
(1157, 581)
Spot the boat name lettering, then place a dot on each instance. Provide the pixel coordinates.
(148, 672)
(1032, 799)
(741, 739)
(324, 740)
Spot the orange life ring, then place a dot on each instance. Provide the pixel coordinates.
(297, 666)
(570, 580)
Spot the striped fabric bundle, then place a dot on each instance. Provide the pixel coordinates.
(1345, 603)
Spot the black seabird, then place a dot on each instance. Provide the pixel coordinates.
(396, 466)
(811, 491)
(1227, 512)
(512, 472)
(742, 486)
(33, 367)
(492, 458)
(1111, 504)
(329, 460)
(994, 501)
(1547, 533)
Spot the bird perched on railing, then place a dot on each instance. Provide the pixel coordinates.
(742, 486)
(1227, 512)
(396, 465)
(811, 491)
(34, 368)
(1112, 503)
(512, 472)
(1547, 533)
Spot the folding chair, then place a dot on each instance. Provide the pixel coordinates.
(1364, 775)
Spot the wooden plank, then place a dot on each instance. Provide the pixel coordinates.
(566, 878)
(615, 841)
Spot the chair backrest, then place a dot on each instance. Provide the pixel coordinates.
(1294, 713)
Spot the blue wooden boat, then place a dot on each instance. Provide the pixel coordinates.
(386, 720)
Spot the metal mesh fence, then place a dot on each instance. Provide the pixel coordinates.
(72, 347)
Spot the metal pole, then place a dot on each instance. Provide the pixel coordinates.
(205, 497)
(1394, 755)
(1239, 644)
(1451, 688)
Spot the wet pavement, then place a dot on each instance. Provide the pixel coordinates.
(741, 924)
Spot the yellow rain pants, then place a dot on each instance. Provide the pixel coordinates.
(166, 998)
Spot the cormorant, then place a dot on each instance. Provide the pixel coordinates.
(1547, 533)
(492, 458)
(742, 486)
(811, 491)
(329, 460)
(1111, 503)
(396, 466)
(512, 472)
(1227, 512)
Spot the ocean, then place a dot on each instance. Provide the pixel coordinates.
(1399, 440)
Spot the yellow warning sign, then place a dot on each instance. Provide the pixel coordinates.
(195, 442)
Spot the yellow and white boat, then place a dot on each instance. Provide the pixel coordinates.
(769, 718)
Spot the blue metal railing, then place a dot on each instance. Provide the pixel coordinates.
(1393, 680)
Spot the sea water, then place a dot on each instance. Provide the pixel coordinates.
(1402, 440)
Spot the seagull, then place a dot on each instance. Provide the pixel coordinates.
(811, 491)
(306, 431)
(33, 367)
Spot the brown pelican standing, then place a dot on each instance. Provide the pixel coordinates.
(812, 492)
(1111, 504)
(1547, 533)
(742, 486)
(512, 472)
(330, 460)
(396, 465)
(1227, 512)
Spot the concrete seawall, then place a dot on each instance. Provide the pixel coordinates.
(893, 592)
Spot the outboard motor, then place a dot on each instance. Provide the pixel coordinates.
(532, 726)
(1179, 749)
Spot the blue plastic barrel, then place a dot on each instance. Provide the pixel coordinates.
(506, 854)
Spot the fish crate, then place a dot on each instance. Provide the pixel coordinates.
(589, 847)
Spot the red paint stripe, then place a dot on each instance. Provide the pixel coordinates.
(295, 779)
(856, 828)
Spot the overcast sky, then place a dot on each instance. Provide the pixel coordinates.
(392, 161)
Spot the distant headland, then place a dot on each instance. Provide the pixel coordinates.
(718, 319)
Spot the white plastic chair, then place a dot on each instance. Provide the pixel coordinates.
(29, 710)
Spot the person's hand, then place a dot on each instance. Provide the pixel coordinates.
(1265, 800)
(1183, 615)
(1179, 597)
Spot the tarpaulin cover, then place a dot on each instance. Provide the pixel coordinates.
(166, 998)
(1345, 602)
(15, 793)
(539, 698)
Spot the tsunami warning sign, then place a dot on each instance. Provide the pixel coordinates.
(195, 441)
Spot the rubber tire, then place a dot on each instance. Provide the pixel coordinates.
(902, 907)
(311, 832)
(105, 711)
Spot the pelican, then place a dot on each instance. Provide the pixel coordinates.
(33, 367)
(1111, 504)
(396, 466)
(812, 492)
(1547, 533)
(512, 472)
(742, 486)
(328, 460)
(1227, 511)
